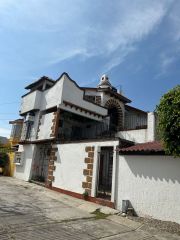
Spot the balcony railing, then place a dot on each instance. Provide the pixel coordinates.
(133, 122)
(100, 131)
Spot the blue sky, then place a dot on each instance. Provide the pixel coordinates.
(136, 42)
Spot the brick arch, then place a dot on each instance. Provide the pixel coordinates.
(113, 103)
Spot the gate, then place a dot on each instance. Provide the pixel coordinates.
(105, 173)
(41, 163)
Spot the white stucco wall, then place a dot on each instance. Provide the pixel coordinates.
(151, 130)
(35, 126)
(45, 126)
(137, 136)
(141, 135)
(151, 184)
(70, 164)
(53, 96)
(24, 171)
(71, 93)
(31, 101)
(69, 167)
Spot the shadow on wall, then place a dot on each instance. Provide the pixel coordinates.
(58, 157)
(158, 168)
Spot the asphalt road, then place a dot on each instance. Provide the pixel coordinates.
(31, 212)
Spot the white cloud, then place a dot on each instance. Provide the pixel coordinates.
(166, 60)
(118, 58)
(76, 27)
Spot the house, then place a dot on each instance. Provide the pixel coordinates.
(73, 140)
(13, 141)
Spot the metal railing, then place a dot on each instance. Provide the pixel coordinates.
(98, 131)
(133, 122)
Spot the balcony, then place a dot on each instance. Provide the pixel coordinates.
(135, 122)
(80, 134)
(74, 127)
(30, 101)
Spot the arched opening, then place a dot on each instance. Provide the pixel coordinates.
(115, 114)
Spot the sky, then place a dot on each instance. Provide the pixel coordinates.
(135, 42)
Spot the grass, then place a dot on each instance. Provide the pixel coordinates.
(100, 215)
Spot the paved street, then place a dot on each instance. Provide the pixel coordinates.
(31, 212)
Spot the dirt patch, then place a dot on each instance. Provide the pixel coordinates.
(162, 226)
(99, 215)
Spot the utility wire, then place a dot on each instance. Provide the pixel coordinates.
(7, 113)
(8, 103)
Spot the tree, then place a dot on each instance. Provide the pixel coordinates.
(168, 112)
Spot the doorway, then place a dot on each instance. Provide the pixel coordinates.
(41, 163)
(105, 167)
(113, 114)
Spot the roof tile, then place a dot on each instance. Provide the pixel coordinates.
(155, 146)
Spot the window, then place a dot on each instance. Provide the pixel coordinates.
(93, 99)
(29, 125)
(19, 158)
(16, 131)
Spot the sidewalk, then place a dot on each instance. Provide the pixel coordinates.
(31, 212)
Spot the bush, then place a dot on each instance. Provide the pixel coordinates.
(168, 112)
(3, 159)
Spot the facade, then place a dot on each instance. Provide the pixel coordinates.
(70, 136)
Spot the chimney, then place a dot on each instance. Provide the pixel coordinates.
(151, 127)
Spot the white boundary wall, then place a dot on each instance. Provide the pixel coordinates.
(151, 184)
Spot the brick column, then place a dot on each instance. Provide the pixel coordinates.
(55, 124)
(39, 124)
(51, 166)
(88, 171)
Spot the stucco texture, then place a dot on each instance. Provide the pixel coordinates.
(151, 184)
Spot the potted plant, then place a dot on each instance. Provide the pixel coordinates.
(85, 195)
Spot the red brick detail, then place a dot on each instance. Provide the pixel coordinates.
(87, 149)
(88, 191)
(84, 184)
(55, 122)
(80, 196)
(85, 172)
(88, 172)
(90, 166)
(91, 154)
(89, 160)
(51, 166)
(89, 179)
(39, 124)
(50, 178)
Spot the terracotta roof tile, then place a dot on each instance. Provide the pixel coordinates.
(155, 146)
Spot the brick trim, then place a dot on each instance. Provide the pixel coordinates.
(51, 166)
(88, 171)
(39, 124)
(80, 196)
(115, 103)
(55, 124)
